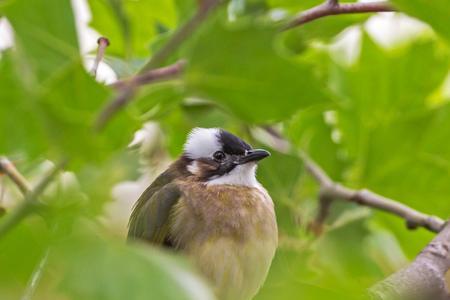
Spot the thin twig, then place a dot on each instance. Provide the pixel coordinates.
(29, 203)
(334, 190)
(329, 8)
(102, 44)
(164, 73)
(127, 88)
(8, 168)
(317, 225)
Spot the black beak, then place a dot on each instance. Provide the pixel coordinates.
(253, 155)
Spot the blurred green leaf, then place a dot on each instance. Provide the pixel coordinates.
(22, 133)
(435, 13)
(58, 118)
(100, 269)
(309, 131)
(298, 39)
(20, 252)
(45, 36)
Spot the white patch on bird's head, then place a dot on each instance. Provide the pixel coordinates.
(202, 142)
(241, 175)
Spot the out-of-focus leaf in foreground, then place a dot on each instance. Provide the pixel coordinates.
(100, 269)
(435, 13)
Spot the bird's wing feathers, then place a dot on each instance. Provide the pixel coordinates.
(150, 217)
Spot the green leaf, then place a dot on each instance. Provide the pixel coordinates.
(436, 13)
(308, 131)
(100, 269)
(299, 38)
(23, 133)
(21, 249)
(58, 118)
(239, 68)
(377, 101)
(44, 35)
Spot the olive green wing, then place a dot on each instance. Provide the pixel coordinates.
(150, 217)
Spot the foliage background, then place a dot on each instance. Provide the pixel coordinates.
(369, 105)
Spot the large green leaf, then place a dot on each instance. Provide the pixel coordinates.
(371, 102)
(238, 67)
(21, 250)
(45, 36)
(300, 38)
(57, 119)
(435, 13)
(19, 114)
(100, 269)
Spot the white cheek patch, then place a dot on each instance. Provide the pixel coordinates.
(202, 142)
(193, 168)
(241, 175)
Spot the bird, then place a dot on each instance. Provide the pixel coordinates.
(209, 205)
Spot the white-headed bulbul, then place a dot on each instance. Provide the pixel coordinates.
(209, 205)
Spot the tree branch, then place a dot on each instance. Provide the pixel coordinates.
(127, 89)
(331, 7)
(8, 168)
(424, 278)
(29, 203)
(333, 190)
(164, 73)
(103, 43)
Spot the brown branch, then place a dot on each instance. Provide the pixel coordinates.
(334, 190)
(331, 7)
(8, 168)
(126, 89)
(30, 202)
(424, 278)
(103, 43)
(164, 73)
(317, 225)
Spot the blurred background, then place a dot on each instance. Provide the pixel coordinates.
(366, 95)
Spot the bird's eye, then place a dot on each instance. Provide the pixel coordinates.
(219, 155)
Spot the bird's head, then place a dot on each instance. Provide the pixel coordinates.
(219, 157)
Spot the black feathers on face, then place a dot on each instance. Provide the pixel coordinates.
(231, 144)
